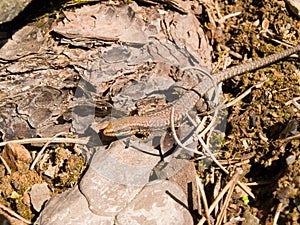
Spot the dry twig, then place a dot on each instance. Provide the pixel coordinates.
(235, 178)
(43, 149)
(5, 165)
(8, 210)
(231, 183)
(203, 195)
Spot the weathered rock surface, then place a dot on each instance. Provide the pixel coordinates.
(159, 202)
(70, 208)
(9, 9)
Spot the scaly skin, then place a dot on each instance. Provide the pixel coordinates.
(162, 118)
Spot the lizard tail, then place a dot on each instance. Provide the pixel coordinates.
(240, 69)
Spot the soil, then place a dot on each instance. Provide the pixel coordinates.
(260, 126)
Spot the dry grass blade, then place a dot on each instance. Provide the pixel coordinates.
(294, 102)
(43, 149)
(204, 199)
(229, 185)
(297, 136)
(44, 140)
(177, 139)
(8, 210)
(5, 165)
(243, 95)
(277, 213)
(235, 178)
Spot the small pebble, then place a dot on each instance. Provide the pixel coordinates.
(290, 159)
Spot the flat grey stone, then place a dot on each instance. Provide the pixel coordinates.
(39, 194)
(70, 208)
(115, 177)
(159, 203)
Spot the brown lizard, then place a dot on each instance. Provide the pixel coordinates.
(160, 119)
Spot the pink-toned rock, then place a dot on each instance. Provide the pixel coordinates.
(70, 208)
(16, 156)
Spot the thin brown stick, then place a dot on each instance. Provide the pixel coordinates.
(201, 188)
(243, 95)
(235, 178)
(218, 198)
(235, 54)
(5, 165)
(217, 188)
(297, 136)
(12, 213)
(294, 102)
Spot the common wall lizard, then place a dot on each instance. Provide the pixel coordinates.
(160, 119)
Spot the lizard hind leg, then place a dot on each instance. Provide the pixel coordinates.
(202, 105)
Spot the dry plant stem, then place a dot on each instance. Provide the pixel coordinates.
(208, 152)
(199, 195)
(202, 192)
(265, 35)
(246, 189)
(241, 185)
(233, 180)
(5, 165)
(43, 140)
(243, 95)
(294, 102)
(216, 191)
(222, 20)
(239, 98)
(214, 118)
(277, 213)
(209, 10)
(43, 149)
(194, 122)
(224, 47)
(210, 125)
(177, 139)
(228, 197)
(200, 125)
(8, 210)
(297, 136)
(216, 6)
(234, 221)
(291, 101)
